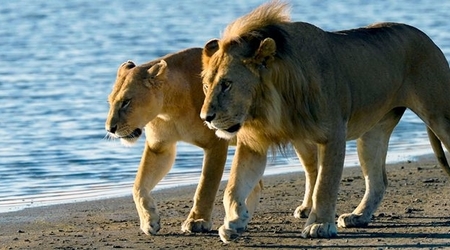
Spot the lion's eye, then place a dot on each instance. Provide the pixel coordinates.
(205, 87)
(125, 104)
(226, 85)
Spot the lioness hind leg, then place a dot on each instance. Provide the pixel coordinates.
(199, 219)
(372, 150)
(253, 199)
(155, 164)
(307, 153)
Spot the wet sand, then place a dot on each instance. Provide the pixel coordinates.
(413, 215)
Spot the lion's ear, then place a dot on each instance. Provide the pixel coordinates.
(266, 51)
(157, 73)
(210, 48)
(125, 67)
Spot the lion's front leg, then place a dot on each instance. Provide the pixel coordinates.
(199, 219)
(247, 169)
(321, 222)
(155, 164)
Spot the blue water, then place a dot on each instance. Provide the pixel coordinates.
(58, 61)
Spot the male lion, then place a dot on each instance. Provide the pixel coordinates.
(270, 82)
(165, 96)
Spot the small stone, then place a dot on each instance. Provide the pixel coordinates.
(430, 180)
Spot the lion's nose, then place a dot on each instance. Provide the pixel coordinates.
(112, 129)
(210, 117)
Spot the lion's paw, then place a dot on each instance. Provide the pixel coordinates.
(151, 227)
(229, 234)
(352, 220)
(320, 230)
(196, 226)
(302, 212)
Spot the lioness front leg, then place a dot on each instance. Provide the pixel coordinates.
(199, 219)
(372, 151)
(321, 222)
(247, 169)
(307, 153)
(155, 164)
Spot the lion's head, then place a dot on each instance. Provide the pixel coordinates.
(135, 100)
(237, 71)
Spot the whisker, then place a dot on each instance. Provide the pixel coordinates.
(109, 137)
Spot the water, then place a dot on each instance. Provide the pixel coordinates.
(58, 61)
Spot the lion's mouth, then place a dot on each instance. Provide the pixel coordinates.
(135, 134)
(234, 128)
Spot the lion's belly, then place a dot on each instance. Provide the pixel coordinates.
(356, 130)
(362, 122)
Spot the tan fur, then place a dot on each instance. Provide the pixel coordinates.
(270, 81)
(165, 97)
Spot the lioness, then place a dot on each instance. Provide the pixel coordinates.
(270, 81)
(165, 96)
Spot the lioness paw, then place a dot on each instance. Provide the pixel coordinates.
(196, 226)
(302, 212)
(151, 228)
(229, 234)
(352, 220)
(320, 230)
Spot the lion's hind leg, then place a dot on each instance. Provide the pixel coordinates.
(438, 151)
(372, 150)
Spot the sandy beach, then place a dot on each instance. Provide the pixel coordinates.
(413, 215)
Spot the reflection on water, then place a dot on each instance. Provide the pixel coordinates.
(58, 63)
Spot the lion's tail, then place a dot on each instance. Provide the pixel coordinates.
(438, 151)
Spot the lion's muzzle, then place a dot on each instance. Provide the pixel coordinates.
(234, 128)
(222, 126)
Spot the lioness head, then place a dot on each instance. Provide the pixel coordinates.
(135, 100)
(232, 75)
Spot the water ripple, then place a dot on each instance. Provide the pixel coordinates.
(59, 61)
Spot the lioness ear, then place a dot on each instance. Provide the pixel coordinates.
(128, 64)
(266, 51)
(125, 67)
(157, 73)
(210, 48)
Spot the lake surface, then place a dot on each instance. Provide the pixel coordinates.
(58, 61)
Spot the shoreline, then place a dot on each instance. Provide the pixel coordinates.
(414, 214)
(124, 189)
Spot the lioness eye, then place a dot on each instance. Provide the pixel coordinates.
(125, 104)
(205, 87)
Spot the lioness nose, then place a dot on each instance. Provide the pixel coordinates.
(112, 129)
(210, 117)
